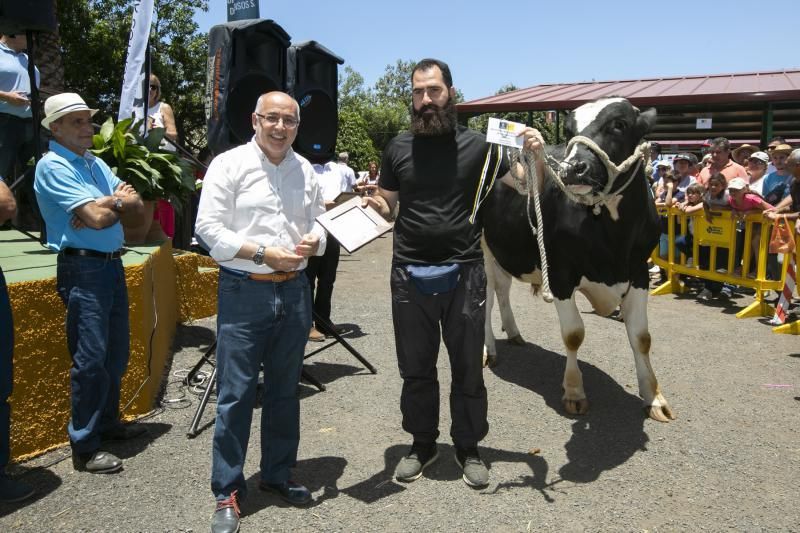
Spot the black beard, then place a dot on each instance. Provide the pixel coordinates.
(443, 119)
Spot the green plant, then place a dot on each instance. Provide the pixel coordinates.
(138, 160)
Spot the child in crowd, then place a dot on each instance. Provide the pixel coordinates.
(716, 196)
(742, 200)
(693, 204)
(668, 195)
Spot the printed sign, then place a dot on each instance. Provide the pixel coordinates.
(703, 124)
(242, 10)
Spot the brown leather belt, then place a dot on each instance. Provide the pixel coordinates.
(274, 277)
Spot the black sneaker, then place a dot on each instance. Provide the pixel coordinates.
(475, 472)
(420, 456)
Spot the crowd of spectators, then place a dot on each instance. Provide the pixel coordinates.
(745, 180)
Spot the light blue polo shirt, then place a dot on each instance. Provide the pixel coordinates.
(64, 181)
(14, 77)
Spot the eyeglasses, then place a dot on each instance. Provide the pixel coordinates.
(289, 123)
(155, 87)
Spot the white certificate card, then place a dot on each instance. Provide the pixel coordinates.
(352, 225)
(505, 132)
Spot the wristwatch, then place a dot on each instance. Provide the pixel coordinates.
(118, 204)
(258, 258)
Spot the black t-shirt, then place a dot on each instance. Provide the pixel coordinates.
(437, 180)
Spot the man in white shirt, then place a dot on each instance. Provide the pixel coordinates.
(321, 271)
(348, 173)
(256, 216)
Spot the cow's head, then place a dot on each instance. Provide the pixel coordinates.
(616, 127)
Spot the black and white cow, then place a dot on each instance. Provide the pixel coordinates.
(597, 240)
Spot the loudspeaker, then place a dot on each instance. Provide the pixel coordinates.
(17, 16)
(246, 59)
(313, 81)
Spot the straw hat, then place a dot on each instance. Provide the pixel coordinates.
(62, 104)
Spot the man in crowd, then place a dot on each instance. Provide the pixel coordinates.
(776, 183)
(348, 173)
(256, 216)
(321, 271)
(16, 125)
(81, 202)
(720, 151)
(10, 490)
(773, 143)
(433, 171)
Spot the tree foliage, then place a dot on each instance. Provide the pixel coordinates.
(94, 39)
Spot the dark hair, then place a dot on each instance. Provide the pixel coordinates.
(655, 147)
(428, 63)
(693, 160)
(778, 138)
(721, 142)
(720, 177)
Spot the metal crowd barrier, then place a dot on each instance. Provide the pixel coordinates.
(719, 234)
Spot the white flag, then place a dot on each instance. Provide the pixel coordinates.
(132, 102)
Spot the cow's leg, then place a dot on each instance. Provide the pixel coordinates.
(634, 312)
(498, 282)
(572, 333)
(489, 346)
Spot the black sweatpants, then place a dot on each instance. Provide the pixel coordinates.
(417, 320)
(321, 272)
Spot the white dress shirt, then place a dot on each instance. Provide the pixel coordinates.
(331, 179)
(247, 198)
(349, 176)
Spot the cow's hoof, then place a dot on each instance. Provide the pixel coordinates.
(660, 413)
(517, 340)
(576, 407)
(489, 360)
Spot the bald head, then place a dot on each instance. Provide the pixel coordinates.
(279, 98)
(275, 121)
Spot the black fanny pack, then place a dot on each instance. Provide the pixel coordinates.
(434, 279)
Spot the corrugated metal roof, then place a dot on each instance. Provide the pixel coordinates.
(771, 86)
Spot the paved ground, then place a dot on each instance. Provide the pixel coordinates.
(730, 462)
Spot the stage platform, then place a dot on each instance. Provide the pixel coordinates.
(164, 287)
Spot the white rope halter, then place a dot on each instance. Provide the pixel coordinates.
(605, 197)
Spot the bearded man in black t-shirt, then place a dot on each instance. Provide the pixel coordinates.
(437, 273)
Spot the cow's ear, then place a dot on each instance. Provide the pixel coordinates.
(646, 122)
(569, 126)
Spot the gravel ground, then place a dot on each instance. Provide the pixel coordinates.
(729, 462)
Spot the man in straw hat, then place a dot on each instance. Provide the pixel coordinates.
(81, 202)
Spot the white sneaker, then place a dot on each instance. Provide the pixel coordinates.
(705, 295)
(726, 292)
(689, 262)
(655, 269)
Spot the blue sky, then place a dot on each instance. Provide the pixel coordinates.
(489, 44)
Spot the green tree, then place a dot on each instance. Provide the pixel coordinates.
(94, 41)
(354, 140)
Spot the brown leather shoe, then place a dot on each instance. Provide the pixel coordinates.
(315, 336)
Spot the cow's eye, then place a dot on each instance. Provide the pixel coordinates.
(619, 125)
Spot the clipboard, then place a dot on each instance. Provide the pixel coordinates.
(345, 196)
(352, 225)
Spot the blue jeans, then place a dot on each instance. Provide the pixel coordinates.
(6, 371)
(258, 324)
(94, 292)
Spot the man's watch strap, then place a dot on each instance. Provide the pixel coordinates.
(117, 204)
(258, 258)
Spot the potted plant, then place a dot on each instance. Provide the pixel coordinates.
(152, 172)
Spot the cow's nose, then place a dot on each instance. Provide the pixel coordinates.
(581, 168)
